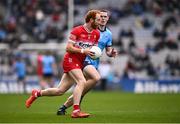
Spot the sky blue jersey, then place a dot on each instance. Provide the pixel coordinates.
(105, 40)
(47, 64)
(20, 68)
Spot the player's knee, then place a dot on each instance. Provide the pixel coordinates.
(97, 78)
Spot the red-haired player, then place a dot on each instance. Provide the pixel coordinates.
(80, 40)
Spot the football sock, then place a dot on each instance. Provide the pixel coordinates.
(63, 107)
(39, 93)
(76, 107)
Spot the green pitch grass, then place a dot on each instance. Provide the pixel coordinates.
(105, 107)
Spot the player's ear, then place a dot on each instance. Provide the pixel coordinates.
(92, 20)
(107, 18)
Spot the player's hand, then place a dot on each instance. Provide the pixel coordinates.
(114, 52)
(88, 52)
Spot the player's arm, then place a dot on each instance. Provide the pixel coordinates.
(111, 52)
(72, 49)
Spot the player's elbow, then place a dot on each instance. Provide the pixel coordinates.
(67, 48)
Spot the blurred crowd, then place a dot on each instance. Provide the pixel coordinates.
(44, 21)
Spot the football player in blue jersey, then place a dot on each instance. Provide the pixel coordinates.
(90, 65)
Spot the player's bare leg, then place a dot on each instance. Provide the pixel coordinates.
(93, 78)
(80, 80)
(65, 83)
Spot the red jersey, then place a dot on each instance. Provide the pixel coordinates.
(39, 65)
(82, 39)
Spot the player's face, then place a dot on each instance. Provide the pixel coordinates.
(104, 18)
(96, 22)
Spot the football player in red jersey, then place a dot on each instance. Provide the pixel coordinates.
(80, 40)
(90, 66)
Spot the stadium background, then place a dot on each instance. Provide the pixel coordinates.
(145, 32)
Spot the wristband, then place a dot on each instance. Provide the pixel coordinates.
(82, 50)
